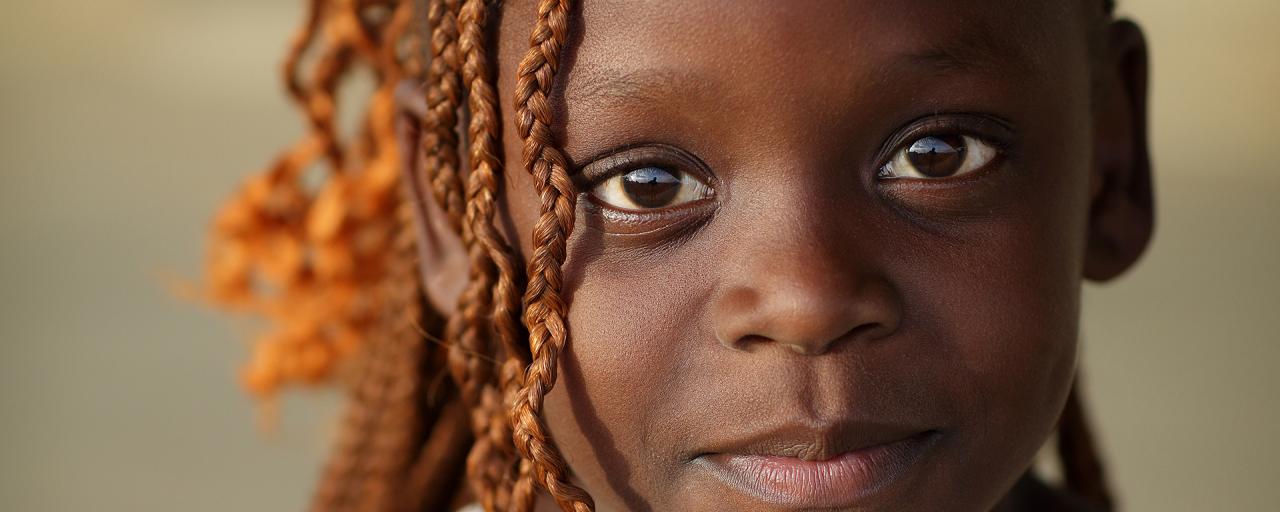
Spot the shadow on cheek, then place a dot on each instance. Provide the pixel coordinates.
(617, 472)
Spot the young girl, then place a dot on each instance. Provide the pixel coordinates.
(697, 255)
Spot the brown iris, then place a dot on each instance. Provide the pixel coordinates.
(937, 156)
(651, 187)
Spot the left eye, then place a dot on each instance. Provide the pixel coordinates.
(939, 156)
(650, 188)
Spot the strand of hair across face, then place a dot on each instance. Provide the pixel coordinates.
(545, 310)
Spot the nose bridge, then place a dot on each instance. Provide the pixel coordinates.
(803, 279)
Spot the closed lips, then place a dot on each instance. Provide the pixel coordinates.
(825, 471)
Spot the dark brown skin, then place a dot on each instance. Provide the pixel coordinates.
(808, 292)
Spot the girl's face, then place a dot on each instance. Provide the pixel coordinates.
(828, 253)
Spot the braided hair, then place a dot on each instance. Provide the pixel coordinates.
(442, 411)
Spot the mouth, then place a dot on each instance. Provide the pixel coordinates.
(806, 468)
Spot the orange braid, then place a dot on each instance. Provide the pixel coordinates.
(544, 309)
(440, 139)
(381, 425)
(440, 145)
(329, 270)
(491, 460)
(309, 261)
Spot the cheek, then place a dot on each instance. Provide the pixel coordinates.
(612, 412)
(990, 328)
(1008, 314)
(626, 324)
(1000, 312)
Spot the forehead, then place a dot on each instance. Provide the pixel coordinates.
(675, 58)
(803, 33)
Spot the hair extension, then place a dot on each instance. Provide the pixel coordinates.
(494, 269)
(440, 145)
(382, 424)
(439, 138)
(333, 268)
(545, 311)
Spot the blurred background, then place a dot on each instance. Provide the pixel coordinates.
(124, 123)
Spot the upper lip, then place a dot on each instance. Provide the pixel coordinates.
(812, 440)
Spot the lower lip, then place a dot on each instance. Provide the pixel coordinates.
(840, 481)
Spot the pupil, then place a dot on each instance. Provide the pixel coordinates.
(937, 157)
(651, 187)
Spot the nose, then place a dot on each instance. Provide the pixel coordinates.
(807, 287)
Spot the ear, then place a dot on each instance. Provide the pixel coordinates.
(441, 256)
(1121, 213)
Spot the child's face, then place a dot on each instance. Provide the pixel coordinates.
(818, 230)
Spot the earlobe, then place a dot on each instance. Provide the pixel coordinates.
(1122, 211)
(441, 255)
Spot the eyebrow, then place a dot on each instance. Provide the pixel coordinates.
(975, 50)
(613, 84)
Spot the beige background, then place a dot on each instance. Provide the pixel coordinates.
(122, 123)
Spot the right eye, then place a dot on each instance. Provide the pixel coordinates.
(650, 188)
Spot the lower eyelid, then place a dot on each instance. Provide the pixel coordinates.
(615, 222)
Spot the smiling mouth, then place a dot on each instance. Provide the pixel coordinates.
(798, 476)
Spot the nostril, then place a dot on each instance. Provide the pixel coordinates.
(750, 342)
(813, 343)
(861, 333)
(869, 331)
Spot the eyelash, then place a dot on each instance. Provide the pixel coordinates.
(989, 132)
(635, 158)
